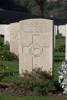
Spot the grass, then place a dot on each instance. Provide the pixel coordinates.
(17, 97)
(56, 71)
(58, 56)
(7, 68)
(11, 66)
(11, 71)
(60, 42)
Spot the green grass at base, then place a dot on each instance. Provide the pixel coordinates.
(17, 97)
(56, 71)
(60, 42)
(11, 71)
(10, 66)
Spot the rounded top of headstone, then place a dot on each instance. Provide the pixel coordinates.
(36, 20)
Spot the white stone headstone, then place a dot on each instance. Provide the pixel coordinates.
(55, 33)
(62, 30)
(36, 45)
(14, 31)
(66, 44)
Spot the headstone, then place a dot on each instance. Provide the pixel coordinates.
(66, 44)
(36, 45)
(62, 30)
(14, 31)
(55, 29)
(7, 35)
(55, 33)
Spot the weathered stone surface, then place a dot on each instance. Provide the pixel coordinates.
(14, 31)
(55, 33)
(36, 45)
(66, 44)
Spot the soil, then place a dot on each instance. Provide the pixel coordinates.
(5, 88)
(28, 92)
